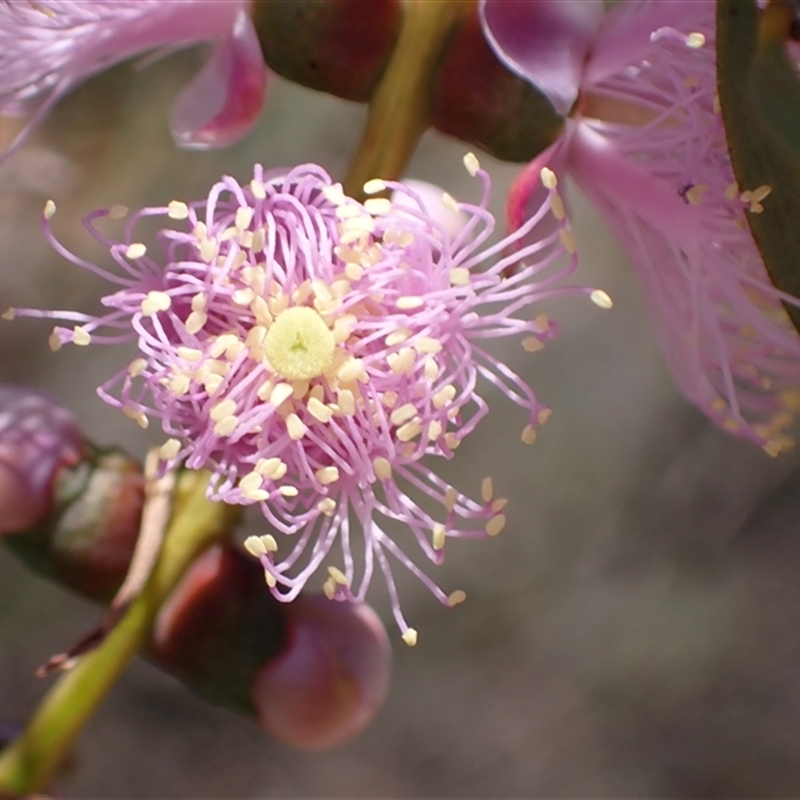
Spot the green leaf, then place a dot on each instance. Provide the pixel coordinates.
(760, 101)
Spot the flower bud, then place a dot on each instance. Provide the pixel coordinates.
(72, 512)
(335, 46)
(219, 627)
(38, 437)
(330, 679)
(478, 99)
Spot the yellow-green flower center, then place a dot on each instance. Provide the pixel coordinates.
(299, 345)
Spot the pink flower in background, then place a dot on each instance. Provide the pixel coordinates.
(311, 351)
(49, 46)
(646, 143)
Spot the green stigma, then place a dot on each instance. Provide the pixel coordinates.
(299, 345)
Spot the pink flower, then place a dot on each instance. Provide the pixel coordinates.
(646, 143)
(49, 46)
(311, 351)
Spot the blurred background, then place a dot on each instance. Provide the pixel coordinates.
(635, 630)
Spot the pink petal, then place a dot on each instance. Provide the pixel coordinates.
(545, 42)
(224, 100)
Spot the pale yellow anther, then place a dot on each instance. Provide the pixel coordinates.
(449, 202)
(557, 207)
(195, 322)
(257, 244)
(452, 441)
(354, 271)
(378, 205)
(459, 276)
(472, 164)
(403, 414)
(398, 336)
(288, 491)
(496, 524)
(382, 467)
(180, 384)
(190, 354)
(176, 209)
(327, 506)
(8, 314)
(326, 475)
(118, 212)
(222, 410)
(334, 194)
(487, 490)
(255, 546)
(601, 299)
(258, 190)
(319, 410)
(358, 225)
(348, 211)
(438, 536)
(251, 482)
(695, 40)
(54, 340)
(169, 449)
(543, 415)
(137, 416)
(244, 216)
(270, 579)
(389, 398)
(374, 186)
(343, 327)
(338, 576)
(402, 362)
(456, 598)
(295, 427)
(450, 497)
(694, 194)
(407, 302)
(155, 302)
(208, 250)
(212, 382)
(269, 542)
(280, 393)
(135, 250)
(434, 430)
(299, 345)
(428, 345)
(568, 240)
(137, 367)
(549, 178)
(49, 209)
(226, 426)
(405, 433)
(270, 468)
(346, 401)
(243, 297)
(444, 396)
(80, 336)
(299, 389)
(352, 370)
(532, 344)
(430, 369)
(329, 588)
(410, 637)
(499, 504)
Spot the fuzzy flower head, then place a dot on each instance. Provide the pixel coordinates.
(50, 46)
(646, 143)
(312, 350)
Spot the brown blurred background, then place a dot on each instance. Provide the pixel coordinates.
(635, 631)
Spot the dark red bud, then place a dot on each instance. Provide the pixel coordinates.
(477, 99)
(331, 678)
(219, 627)
(335, 46)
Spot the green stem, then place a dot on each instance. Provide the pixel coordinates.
(399, 109)
(27, 765)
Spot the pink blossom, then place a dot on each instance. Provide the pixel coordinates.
(49, 46)
(312, 351)
(646, 143)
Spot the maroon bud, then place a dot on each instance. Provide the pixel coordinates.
(219, 627)
(477, 99)
(38, 437)
(331, 678)
(335, 46)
